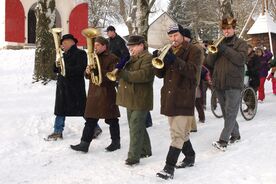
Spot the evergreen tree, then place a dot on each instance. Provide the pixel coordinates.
(45, 50)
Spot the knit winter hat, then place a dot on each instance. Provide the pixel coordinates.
(178, 28)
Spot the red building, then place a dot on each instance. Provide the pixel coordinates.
(18, 20)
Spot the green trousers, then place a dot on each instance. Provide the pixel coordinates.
(139, 143)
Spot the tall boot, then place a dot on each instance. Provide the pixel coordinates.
(82, 146)
(168, 171)
(189, 153)
(114, 130)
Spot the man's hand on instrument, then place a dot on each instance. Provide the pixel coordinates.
(122, 62)
(88, 70)
(169, 57)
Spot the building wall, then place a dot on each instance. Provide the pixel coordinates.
(2, 23)
(64, 8)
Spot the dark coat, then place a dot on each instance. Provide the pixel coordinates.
(228, 65)
(135, 91)
(253, 67)
(118, 47)
(70, 91)
(180, 81)
(101, 100)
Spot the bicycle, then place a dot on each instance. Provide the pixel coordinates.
(248, 104)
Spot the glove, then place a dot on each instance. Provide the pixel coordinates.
(122, 62)
(221, 47)
(269, 77)
(170, 57)
(155, 53)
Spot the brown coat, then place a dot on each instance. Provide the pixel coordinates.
(228, 65)
(101, 99)
(178, 91)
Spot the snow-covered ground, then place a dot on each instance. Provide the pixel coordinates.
(26, 117)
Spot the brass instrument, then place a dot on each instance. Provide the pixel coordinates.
(93, 59)
(59, 53)
(214, 47)
(112, 75)
(158, 62)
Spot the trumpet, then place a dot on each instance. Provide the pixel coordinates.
(93, 59)
(214, 47)
(59, 53)
(158, 62)
(112, 75)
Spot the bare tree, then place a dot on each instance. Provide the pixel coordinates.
(45, 51)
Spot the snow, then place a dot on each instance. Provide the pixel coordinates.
(26, 112)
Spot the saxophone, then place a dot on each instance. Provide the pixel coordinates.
(93, 59)
(59, 53)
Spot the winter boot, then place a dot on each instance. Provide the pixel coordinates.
(82, 146)
(189, 153)
(234, 139)
(115, 144)
(97, 131)
(221, 145)
(168, 171)
(54, 137)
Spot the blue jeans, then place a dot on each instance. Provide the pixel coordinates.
(59, 124)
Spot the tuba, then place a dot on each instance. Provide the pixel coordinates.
(214, 47)
(93, 60)
(59, 53)
(158, 62)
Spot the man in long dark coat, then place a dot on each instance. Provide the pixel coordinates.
(101, 101)
(70, 91)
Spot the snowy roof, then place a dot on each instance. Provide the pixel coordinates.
(263, 24)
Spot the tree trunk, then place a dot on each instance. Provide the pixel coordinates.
(226, 9)
(45, 50)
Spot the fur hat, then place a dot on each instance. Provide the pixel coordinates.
(136, 40)
(178, 28)
(228, 23)
(101, 40)
(68, 36)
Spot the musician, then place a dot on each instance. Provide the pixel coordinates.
(70, 90)
(135, 92)
(228, 75)
(101, 100)
(178, 97)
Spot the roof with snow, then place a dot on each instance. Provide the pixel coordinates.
(263, 24)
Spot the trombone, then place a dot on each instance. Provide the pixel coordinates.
(158, 62)
(59, 53)
(112, 75)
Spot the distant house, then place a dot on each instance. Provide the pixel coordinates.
(18, 21)
(262, 30)
(157, 33)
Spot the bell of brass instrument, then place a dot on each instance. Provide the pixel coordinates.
(59, 53)
(93, 59)
(112, 75)
(214, 47)
(158, 62)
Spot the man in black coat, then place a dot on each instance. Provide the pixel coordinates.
(70, 90)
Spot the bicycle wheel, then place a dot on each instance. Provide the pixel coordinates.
(215, 106)
(249, 103)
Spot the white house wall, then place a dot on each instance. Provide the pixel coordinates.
(2, 23)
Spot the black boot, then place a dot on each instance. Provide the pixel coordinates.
(82, 146)
(115, 144)
(168, 171)
(189, 153)
(114, 130)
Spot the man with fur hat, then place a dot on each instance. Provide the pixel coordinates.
(101, 101)
(70, 90)
(135, 92)
(228, 75)
(179, 74)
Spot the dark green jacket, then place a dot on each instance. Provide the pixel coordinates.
(228, 65)
(135, 90)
